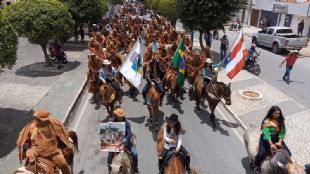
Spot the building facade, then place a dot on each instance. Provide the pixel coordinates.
(280, 13)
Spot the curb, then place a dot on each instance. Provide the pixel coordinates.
(74, 102)
(244, 127)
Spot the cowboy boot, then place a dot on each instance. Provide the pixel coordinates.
(161, 99)
(160, 166)
(188, 168)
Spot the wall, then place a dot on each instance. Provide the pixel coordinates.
(295, 9)
(296, 20)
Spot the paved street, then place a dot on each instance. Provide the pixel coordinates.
(213, 151)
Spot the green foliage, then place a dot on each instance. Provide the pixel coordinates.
(208, 15)
(117, 2)
(168, 8)
(84, 11)
(8, 43)
(41, 20)
(155, 4)
(148, 3)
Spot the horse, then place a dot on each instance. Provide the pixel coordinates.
(270, 165)
(170, 81)
(45, 166)
(192, 74)
(108, 98)
(175, 165)
(121, 162)
(214, 92)
(153, 105)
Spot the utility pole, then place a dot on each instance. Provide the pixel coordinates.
(250, 13)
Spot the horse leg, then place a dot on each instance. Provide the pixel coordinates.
(151, 117)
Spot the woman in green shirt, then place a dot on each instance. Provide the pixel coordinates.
(273, 133)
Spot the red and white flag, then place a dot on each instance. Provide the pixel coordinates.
(234, 62)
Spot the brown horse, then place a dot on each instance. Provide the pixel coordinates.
(108, 97)
(170, 81)
(45, 166)
(175, 166)
(214, 92)
(192, 74)
(153, 106)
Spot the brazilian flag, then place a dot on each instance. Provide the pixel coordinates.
(178, 62)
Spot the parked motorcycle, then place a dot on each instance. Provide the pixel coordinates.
(235, 26)
(252, 66)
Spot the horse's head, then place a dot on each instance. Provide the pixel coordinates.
(293, 168)
(116, 168)
(227, 94)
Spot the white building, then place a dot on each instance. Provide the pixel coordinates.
(280, 12)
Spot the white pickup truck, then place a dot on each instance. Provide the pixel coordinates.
(279, 39)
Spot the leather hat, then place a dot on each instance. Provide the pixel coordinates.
(119, 112)
(42, 114)
(173, 118)
(208, 60)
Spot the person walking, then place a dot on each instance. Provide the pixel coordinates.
(82, 33)
(290, 61)
(300, 27)
(224, 46)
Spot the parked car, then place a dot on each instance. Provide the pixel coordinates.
(279, 39)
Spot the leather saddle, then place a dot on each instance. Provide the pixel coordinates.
(171, 153)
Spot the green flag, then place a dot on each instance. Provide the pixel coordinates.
(178, 62)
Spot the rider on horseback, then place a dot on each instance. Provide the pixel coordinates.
(207, 73)
(106, 73)
(120, 117)
(273, 133)
(152, 78)
(173, 139)
(44, 137)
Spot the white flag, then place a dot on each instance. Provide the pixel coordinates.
(132, 67)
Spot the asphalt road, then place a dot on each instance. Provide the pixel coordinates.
(214, 151)
(269, 62)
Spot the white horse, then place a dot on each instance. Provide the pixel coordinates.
(251, 140)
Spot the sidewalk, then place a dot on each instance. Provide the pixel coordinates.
(253, 111)
(30, 85)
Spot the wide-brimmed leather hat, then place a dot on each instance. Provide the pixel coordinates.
(42, 114)
(119, 112)
(197, 53)
(173, 118)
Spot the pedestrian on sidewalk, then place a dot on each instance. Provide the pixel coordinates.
(290, 61)
(76, 33)
(300, 27)
(224, 46)
(208, 38)
(82, 33)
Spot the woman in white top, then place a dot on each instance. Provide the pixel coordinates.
(173, 139)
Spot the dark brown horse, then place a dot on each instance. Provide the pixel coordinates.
(153, 106)
(192, 74)
(214, 92)
(45, 166)
(108, 97)
(170, 81)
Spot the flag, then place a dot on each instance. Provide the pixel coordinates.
(234, 62)
(178, 62)
(132, 67)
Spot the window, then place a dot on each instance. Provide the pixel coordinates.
(8, 3)
(263, 31)
(281, 31)
(270, 31)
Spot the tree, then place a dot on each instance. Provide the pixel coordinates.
(41, 21)
(87, 11)
(8, 43)
(208, 15)
(168, 8)
(117, 2)
(155, 5)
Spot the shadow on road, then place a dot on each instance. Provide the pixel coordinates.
(138, 120)
(246, 165)
(40, 70)
(154, 130)
(175, 104)
(11, 122)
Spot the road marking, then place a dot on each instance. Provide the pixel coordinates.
(81, 113)
(233, 129)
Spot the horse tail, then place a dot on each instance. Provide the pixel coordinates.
(73, 136)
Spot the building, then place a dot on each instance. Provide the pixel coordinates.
(4, 3)
(280, 13)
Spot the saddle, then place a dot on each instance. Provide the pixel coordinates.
(42, 165)
(172, 153)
